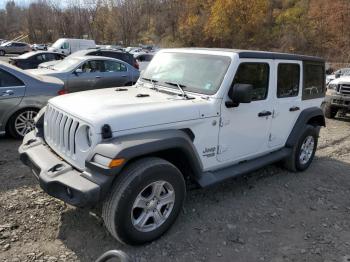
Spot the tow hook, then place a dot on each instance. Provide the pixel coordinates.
(30, 141)
(56, 168)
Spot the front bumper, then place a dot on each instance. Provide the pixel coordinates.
(57, 177)
(338, 100)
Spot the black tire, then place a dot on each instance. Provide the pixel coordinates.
(293, 162)
(12, 122)
(2, 53)
(330, 111)
(118, 206)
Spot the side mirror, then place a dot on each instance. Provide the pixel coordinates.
(337, 75)
(78, 71)
(239, 93)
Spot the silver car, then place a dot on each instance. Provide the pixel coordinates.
(91, 72)
(22, 95)
(14, 48)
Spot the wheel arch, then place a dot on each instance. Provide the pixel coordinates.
(175, 146)
(311, 116)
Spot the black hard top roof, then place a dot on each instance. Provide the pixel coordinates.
(266, 54)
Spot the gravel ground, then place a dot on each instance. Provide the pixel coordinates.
(270, 215)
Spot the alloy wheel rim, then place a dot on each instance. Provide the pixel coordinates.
(306, 150)
(153, 206)
(24, 122)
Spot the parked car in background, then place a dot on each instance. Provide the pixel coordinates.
(337, 74)
(14, 48)
(337, 98)
(143, 60)
(91, 72)
(31, 60)
(124, 56)
(42, 47)
(22, 95)
(68, 46)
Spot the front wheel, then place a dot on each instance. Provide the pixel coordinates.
(304, 151)
(144, 201)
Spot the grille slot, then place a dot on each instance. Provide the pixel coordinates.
(345, 89)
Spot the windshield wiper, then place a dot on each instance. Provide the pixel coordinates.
(152, 81)
(180, 87)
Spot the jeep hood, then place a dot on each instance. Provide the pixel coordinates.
(131, 109)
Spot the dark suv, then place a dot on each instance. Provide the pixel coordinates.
(124, 56)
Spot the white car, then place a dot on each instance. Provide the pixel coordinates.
(201, 114)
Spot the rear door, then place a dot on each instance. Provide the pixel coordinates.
(12, 90)
(115, 74)
(287, 100)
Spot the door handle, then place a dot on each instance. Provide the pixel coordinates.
(294, 108)
(264, 113)
(124, 75)
(97, 77)
(7, 93)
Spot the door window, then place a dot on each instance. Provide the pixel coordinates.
(7, 80)
(288, 78)
(65, 46)
(40, 58)
(93, 66)
(255, 74)
(111, 66)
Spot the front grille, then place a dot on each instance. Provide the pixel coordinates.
(60, 131)
(345, 89)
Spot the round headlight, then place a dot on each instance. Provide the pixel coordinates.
(83, 138)
(332, 86)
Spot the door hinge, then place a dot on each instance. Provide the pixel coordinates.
(224, 122)
(222, 149)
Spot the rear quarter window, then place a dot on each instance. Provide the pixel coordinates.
(7, 79)
(314, 80)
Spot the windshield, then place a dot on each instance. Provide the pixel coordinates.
(67, 64)
(198, 73)
(58, 44)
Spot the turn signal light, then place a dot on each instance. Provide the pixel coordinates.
(116, 162)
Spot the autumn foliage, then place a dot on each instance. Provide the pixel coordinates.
(315, 27)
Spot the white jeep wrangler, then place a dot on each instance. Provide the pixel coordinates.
(203, 114)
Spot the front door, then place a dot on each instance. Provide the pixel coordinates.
(12, 91)
(244, 130)
(87, 76)
(287, 96)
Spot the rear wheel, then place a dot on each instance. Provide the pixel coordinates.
(145, 201)
(330, 111)
(304, 151)
(22, 122)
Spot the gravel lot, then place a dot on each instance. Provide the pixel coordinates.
(270, 215)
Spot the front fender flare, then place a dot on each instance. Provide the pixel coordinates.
(133, 146)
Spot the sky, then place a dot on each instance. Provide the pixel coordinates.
(27, 2)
